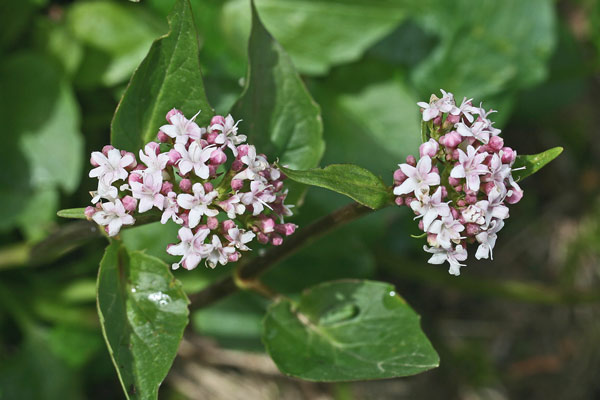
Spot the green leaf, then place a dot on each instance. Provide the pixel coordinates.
(319, 34)
(279, 115)
(347, 330)
(117, 36)
(351, 180)
(143, 312)
(76, 213)
(168, 77)
(534, 162)
(482, 51)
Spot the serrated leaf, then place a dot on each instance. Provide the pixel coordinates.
(347, 330)
(143, 312)
(279, 115)
(534, 162)
(359, 184)
(76, 213)
(168, 77)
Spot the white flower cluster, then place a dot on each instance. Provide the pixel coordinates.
(221, 206)
(466, 203)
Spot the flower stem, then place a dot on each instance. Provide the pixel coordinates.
(253, 268)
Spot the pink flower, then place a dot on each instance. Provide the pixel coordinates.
(453, 256)
(238, 238)
(430, 208)
(216, 253)
(470, 166)
(258, 197)
(197, 204)
(190, 247)
(111, 168)
(487, 239)
(113, 215)
(447, 229)
(171, 209)
(181, 129)
(155, 163)
(195, 157)
(419, 178)
(148, 192)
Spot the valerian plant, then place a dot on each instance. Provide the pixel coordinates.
(173, 160)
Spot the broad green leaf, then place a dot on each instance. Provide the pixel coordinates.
(76, 213)
(168, 77)
(347, 330)
(534, 162)
(143, 312)
(279, 115)
(318, 34)
(483, 50)
(117, 36)
(351, 180)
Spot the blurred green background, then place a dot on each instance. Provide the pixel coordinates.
(523, 326)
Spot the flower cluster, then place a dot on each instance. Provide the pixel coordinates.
(220, 205)
(461, 183)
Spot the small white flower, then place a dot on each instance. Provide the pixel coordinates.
(430, 208)
(111, 168)
(499, 172)
(465, 109)
(475, 213)
(488, 239)
(156, 163)
(171, 209)
(190, 247)
(436, 106)
(114, 216)
(148, 192)
(232, 206)
(420, 178)
(470, 166)
(197, 204)
(238, 238)
(195, 157)
(453, 256)
(257, 197)
(216, 253)
(228, 136)
(181, 129)
(447, 230)
(255, 164)
(104, 191)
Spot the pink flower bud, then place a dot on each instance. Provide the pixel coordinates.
(399, 176)
(487, 187)
(242, 151)
(286, 229)
(174, 156)
(228, 224)
(217, 119)
(237, 184)
(237, 165)
(154, 147)
(212, 223)
(429, 148)
(233, 257)
(453, 181)
(218, 157)
(106, 149)
(455, 154)
(453, 119)
(185, 185)
(277, 185)
(451, 139)
(458, 188)
(208, 187)
(408, 200)
(471, 198)
(133, 177)
(411, 160)
(89, 212)
(496, 143)
(461, 203)
(276, 240)
(444, 192)
(454, 212)
(262, 238)
(185, 217)
(162, 137)
(399, 201)
(166, 188)
(508, 155)
(211, 137)
(421, 225)
(472, 229)
(515, 196)
(171, 113)
(267, 225)
(437, 120)
(212, 170)
(129, 203)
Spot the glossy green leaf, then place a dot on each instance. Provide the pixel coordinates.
(319, 34)
(347, 330)
(279, 115)
(534, 162)
(76, 213)
(351, 180)
(143, 312)
(117, 36)
(486, 49)
(168, 77)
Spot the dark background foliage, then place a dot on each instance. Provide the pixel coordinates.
(522, 326)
